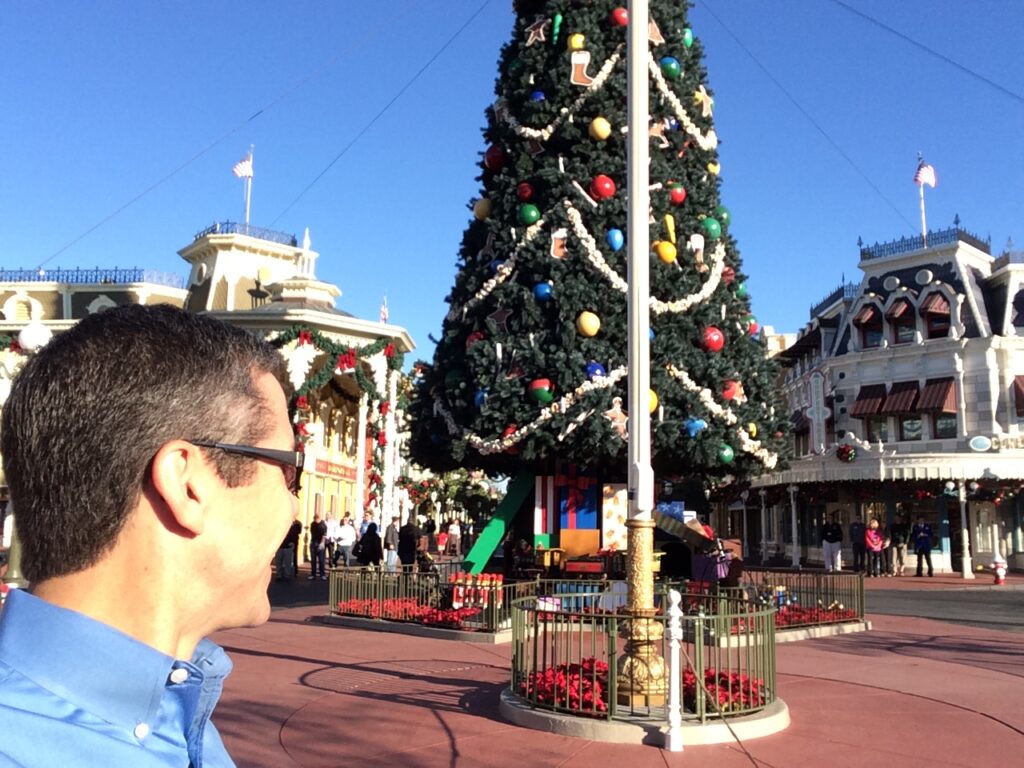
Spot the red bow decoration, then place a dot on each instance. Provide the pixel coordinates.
(576, 491)
(389, 350)
(347, 361)
(15, 346)
(382, 439)
(302, 402)
(303, 428)
(305, 337)
(384, 407)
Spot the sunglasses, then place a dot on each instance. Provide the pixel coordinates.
(289, 461)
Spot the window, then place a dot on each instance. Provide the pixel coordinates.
(944, 425)
(877, 429)
(910, 427)
(869, 320)
(935, 310)
(902, 322)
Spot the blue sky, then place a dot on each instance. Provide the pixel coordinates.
(103, 100)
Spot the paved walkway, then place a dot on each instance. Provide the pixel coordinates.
(912, 692)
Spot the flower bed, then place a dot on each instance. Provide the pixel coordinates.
(583, 688)
(407, 609)
(798, 615)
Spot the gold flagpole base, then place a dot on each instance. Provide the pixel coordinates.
(641, 676)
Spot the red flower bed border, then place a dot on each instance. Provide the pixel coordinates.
(407, 609)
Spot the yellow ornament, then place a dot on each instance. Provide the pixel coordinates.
(666, 251)
(670, 227)
(577, 42)
(714, 168)
(600, 128)
(482, 208)
(752, 429)
(652, 400)
(588, 324)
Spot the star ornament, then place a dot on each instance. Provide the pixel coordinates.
(500, 318)
(703, 98)
(537, 32)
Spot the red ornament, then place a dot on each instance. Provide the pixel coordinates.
(677, 194)
(728, 275)
(524, 191)
(602, 187)
(714, 339)
(732, 390)
(753, 327)
(510, 430)
(302, 402)
(389, 350)
(494, 158)
(473, 338)
(620, 17)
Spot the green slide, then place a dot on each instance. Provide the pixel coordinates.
(492, 534)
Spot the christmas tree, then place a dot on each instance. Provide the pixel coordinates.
(532, 363)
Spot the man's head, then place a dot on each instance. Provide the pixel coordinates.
(96, 416)
(394, 520)
(316, 517)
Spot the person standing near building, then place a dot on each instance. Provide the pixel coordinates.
(346, 541)
(857, 531)
(454, 538)
(318, 547)
(391, 545)
(171, 434)
(410, 544)
(899, 534)
(333, 526)
(832, 544)
(874, 543)
(921, 536)
(367, 520)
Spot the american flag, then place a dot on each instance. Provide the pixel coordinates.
(384, 310)
(243, 168)
(925, 174)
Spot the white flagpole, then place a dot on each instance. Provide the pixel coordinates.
(924, 230)
(248, 188)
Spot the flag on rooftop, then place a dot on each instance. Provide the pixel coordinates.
(925, 174)
(243, 168)
(384, 310)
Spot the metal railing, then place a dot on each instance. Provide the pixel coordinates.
(565, 658)
(98, 276)
(807, 597)
(918, 243)
(234, 228)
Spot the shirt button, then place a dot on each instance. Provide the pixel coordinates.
(179, 675)
(141, 731)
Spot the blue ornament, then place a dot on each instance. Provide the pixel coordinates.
(495, 265)
(650, 334)
(673, 124)
(480, 398)
(615, 239)
(595, 370)
(694, 427)
(542, 291)
(537, 96)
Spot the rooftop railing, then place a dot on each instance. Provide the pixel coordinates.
(98, 276)
(844, 291)
(261, 233)
(918, 243)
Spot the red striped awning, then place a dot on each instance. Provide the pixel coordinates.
(866, 315)
(936, 304)
(938, 396)
(1018, 390)
(869, 401)
(898, 309)
(902, 398)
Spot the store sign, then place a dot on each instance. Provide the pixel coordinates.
(818, 413)
(335, 470)
(1007, 442)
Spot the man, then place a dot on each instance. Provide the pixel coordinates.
(899, 534)
(291, 540)
(410, 544)
(333, 531)
(367, 519)
(346, 541)
(454, 538)
(832, 544)
(391, 545)
(857, 533)
(921, 535)
(317, 547)
(151, 460)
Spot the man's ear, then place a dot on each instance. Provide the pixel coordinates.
(184, 481)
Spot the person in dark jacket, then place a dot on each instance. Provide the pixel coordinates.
(832, 544)
(318, 547)
(922, 537)
(409, 543)
(370, 551)
(391, 545)
(899, 535)
(857, 531)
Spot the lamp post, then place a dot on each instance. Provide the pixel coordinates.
(764, 525)
(744, 495)
(966, 568)
(795, 562)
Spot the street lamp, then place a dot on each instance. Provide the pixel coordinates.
(744, 495)
(966, 569)
(763, 493)
(795, 562)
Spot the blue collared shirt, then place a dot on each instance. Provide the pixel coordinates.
(76, 692)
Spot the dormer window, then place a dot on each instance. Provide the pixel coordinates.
(869, 321)
(901, 320)
(935, 311)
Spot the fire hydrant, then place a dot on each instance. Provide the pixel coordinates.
(999, 569)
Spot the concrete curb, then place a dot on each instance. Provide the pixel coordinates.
(770, 720)
(418, 630)
(826, 630)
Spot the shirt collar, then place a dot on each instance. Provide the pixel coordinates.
(90, 664)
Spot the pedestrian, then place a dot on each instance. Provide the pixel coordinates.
(454, 538)
(391, 545)
(346, 541)
(317, 547)
(171, 434)
(899, 534)
(333, 526)
(410, 543)
(874, 544)
(832, 544)
(921, 536)
(883, 529)
(368, 549)
(430, 528)
(857, 531)
(367, 519)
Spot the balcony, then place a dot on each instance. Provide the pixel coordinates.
(261, 233)
(96, 276)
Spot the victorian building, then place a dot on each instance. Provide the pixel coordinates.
(907, 397)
